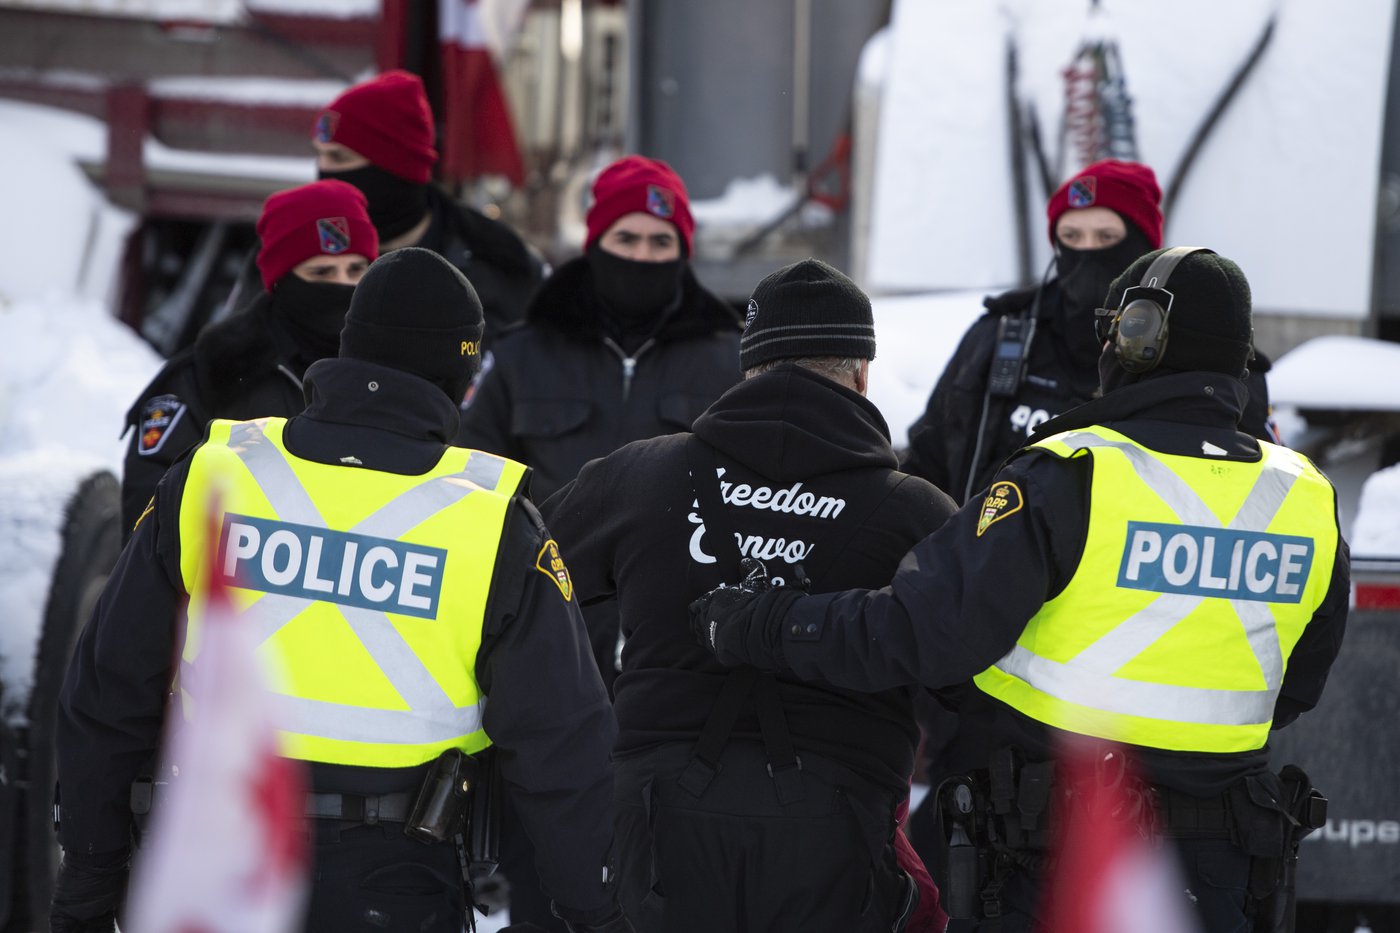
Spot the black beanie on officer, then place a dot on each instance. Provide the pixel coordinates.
(414, 311)
(803, 310)
(1210, 326)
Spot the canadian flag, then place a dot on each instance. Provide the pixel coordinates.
(224, 853)
(478, 137)
(1109, 874)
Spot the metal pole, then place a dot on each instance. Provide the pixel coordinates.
(801, 89)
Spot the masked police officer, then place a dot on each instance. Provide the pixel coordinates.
(423, 582)
(1143, 572)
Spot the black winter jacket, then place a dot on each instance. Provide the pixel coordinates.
(809, 475)
(547, 715)
(504, 271)
(961, 599)
(560, 391)
(943, 440)
(245, 366)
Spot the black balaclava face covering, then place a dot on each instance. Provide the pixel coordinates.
(312, 313)
(634, 294)
(1084, 276)
(395, 204)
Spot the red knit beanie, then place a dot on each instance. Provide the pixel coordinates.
(324, 218)
(388, 121)
(1129, 188)
(636, 183)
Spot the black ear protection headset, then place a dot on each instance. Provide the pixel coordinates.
(1138, 327)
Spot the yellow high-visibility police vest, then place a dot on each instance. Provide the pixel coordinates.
(365, 590)
(1197, 579)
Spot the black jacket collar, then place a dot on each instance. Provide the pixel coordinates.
(366, 415)
(457, 229)
(568, 303)
(247, 345)
(790, 423)
(1172, 413)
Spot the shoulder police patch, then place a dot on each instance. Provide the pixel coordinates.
(1003, 499)
(158, 416)
(551, 564)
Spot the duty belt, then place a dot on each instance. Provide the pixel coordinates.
(391, 808)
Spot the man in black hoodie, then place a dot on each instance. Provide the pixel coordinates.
(1145, 572)
(752, 802)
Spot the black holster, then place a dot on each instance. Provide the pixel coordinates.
(1273, 813)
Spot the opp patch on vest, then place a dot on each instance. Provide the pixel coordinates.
(314, 563)
(1198, 561)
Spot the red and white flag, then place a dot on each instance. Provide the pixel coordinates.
(224, 853)
(1109, 874)
(478, 135)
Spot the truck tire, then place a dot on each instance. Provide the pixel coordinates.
(91, 543)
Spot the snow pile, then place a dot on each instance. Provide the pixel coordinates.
(914, 339)
(1342, 373)
(70, 370)
(1376, 532)
(70, 374)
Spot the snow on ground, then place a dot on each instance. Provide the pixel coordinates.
(1376, 531)
(70, 368)
(914, 338)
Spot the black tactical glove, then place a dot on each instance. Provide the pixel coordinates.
(740, 623)
(88, 892)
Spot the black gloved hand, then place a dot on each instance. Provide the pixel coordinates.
(739, 623)
(88, 892)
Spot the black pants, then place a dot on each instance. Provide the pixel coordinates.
(736, 858)
(374, 878)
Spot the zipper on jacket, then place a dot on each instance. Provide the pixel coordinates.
(629, 363)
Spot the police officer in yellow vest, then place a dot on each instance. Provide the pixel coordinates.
(402, 582)
(1143, 572)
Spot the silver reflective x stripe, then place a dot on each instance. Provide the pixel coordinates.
(431, 716)
(1089, 678)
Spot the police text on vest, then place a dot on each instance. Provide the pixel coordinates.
(332, 566)
(1221, 562)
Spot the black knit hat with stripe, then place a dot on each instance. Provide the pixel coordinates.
(807, 309)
